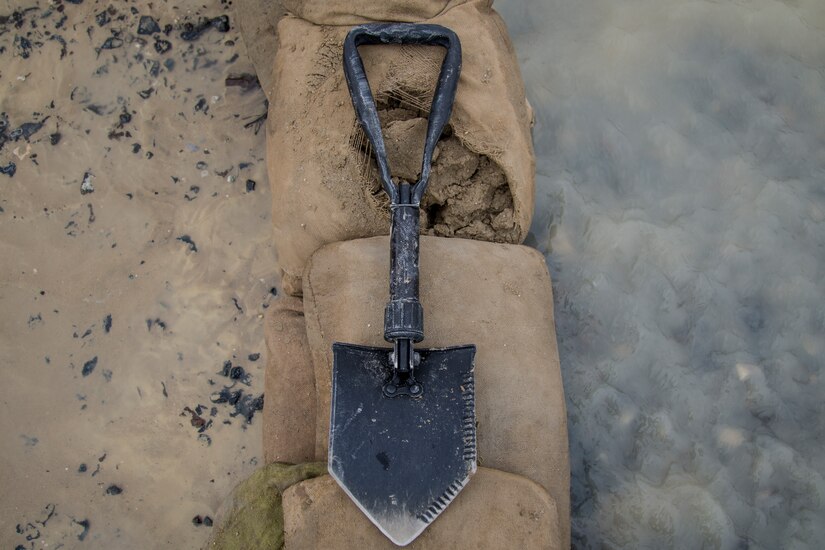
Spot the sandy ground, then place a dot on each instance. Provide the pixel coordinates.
(77, 395)
(681, 154)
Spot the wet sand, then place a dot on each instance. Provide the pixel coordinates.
(119, 306)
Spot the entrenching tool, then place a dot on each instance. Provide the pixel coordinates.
(402, 438)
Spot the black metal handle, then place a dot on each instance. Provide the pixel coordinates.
(362, 99)
(403, 316)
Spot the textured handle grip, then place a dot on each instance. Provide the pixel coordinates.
(364, 103)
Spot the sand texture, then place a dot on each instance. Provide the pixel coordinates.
(120, 301)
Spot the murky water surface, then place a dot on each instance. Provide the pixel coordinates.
(681, 201)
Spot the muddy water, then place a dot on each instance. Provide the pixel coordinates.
(681, 155)
(121, 301)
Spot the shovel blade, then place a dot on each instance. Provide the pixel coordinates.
(402, 460)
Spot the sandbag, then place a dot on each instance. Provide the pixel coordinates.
(289, 407)
(252, 516)
(495, 296)
(496, 510)
(354, 12)
(324, 183)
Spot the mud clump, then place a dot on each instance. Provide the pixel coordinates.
(468, 195)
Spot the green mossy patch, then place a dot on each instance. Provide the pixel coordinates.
(253, 515)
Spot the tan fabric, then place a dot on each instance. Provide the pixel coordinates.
(252, 516)
(289, 403)
(354, 12)
(324, 186)
(257, 21)
(495, 296)
(495, 510)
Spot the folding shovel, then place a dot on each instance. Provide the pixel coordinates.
(402, 440)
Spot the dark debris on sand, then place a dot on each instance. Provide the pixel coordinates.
(148, 25)
(188, 240)
(89, 366)
(202, 520)
(194, 31)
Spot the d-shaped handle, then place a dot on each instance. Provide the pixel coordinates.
(362, 99)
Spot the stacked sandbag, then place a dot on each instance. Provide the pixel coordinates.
(328, 209)
(324, 184)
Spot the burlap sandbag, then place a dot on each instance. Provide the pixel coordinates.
(289, 407)
(324, 185)
(252, 516)
(354, 12)
(495, 296)
(496, 510)
(299, 507)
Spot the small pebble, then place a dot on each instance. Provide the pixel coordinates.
(148, 25)
(89, 366)
(162, 46)
(86, 186)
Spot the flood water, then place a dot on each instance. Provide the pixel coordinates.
(681, 205)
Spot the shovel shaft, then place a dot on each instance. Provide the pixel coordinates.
(404, 316)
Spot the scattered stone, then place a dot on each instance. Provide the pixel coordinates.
(245, 405)
(102, 18)
(197, 420)
(23, 45)
(194, 190)
(111, 43)
(64, 48)
(148, 25)
(89, 366)
(27, 130)
(151, 322)
(86, 186)
(193, 32)
(162, 46)
(188, 240)
(84, 523)
(10, 169)
(201, 106)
